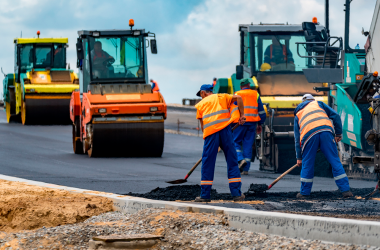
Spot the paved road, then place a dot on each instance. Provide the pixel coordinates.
(44, 153)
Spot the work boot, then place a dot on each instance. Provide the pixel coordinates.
(244, 173)
(199, 199)
(239, 198)
(300, 196)
(242, 164)
(347, 194)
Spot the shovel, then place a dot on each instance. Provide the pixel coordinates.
(180, 181)
(259, 188)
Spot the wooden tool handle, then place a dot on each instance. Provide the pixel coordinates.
(195, 166)
(200, 160)
(280, 177)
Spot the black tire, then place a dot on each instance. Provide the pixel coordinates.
(77, 144)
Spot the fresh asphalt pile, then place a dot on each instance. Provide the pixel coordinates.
(321, 203)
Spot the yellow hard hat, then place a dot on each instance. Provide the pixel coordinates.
(265, 67)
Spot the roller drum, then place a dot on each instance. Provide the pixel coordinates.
(47, 111)
(145, 139)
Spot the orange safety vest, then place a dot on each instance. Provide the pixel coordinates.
(311, 117)
(156, 88)
(235, 114)
(215, 113)
(251, 106)
(284, 52)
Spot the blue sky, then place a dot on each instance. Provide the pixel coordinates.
(197, 39)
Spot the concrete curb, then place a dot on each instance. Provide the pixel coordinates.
(291, 225)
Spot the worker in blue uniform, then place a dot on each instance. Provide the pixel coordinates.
(213, 112)
(244, 136)
(312, 129)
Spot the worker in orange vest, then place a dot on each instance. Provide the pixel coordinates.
(155, 87)
(312, 129)
(213, 111)
(277, 53)
(214, 82)
(244, 136)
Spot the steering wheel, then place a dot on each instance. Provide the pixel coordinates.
(108, 62)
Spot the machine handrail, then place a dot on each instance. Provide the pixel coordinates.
(326, 45)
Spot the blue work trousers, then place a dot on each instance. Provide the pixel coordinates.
(326, 142)
(223, 139)
(244, 137)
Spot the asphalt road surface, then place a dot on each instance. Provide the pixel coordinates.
(44, 153)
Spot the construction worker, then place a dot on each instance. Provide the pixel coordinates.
(101, 60)
(312, 129)
(214, 115)
(214, 82)
(155, 87)
(244, 136)
(277, 53)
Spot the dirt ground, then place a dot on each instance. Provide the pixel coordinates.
(27, 207)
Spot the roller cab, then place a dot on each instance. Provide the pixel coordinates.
(39, 91)
(115, 112)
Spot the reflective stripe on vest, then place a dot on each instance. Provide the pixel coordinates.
(215, 113)
(235, 114)
(311, 117)
(284, 52)
(156, 88)
(251, 106)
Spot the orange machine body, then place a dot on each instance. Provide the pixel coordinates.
(116, 105)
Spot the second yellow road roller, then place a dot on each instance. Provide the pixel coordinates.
(39, 90)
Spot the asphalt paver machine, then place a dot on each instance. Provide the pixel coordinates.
(39, 90)
(115, 112)
(348, 82)
(269, 59)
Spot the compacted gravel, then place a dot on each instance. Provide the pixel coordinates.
(181, 231)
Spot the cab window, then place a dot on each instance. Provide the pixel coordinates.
(278, 52)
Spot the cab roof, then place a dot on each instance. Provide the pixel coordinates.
(40, 40)
(109, 32)
(276, 27)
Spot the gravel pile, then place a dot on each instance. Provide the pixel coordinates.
(181, 230)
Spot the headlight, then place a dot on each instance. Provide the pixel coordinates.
(95, 33)
(32, 90)
(136, 33)
(152, 109)
(102, 110)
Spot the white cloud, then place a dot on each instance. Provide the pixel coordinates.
(206, 44)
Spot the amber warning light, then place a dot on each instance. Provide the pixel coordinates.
(315, 20)
(131, 23)
(375, 74)
(38, 33)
